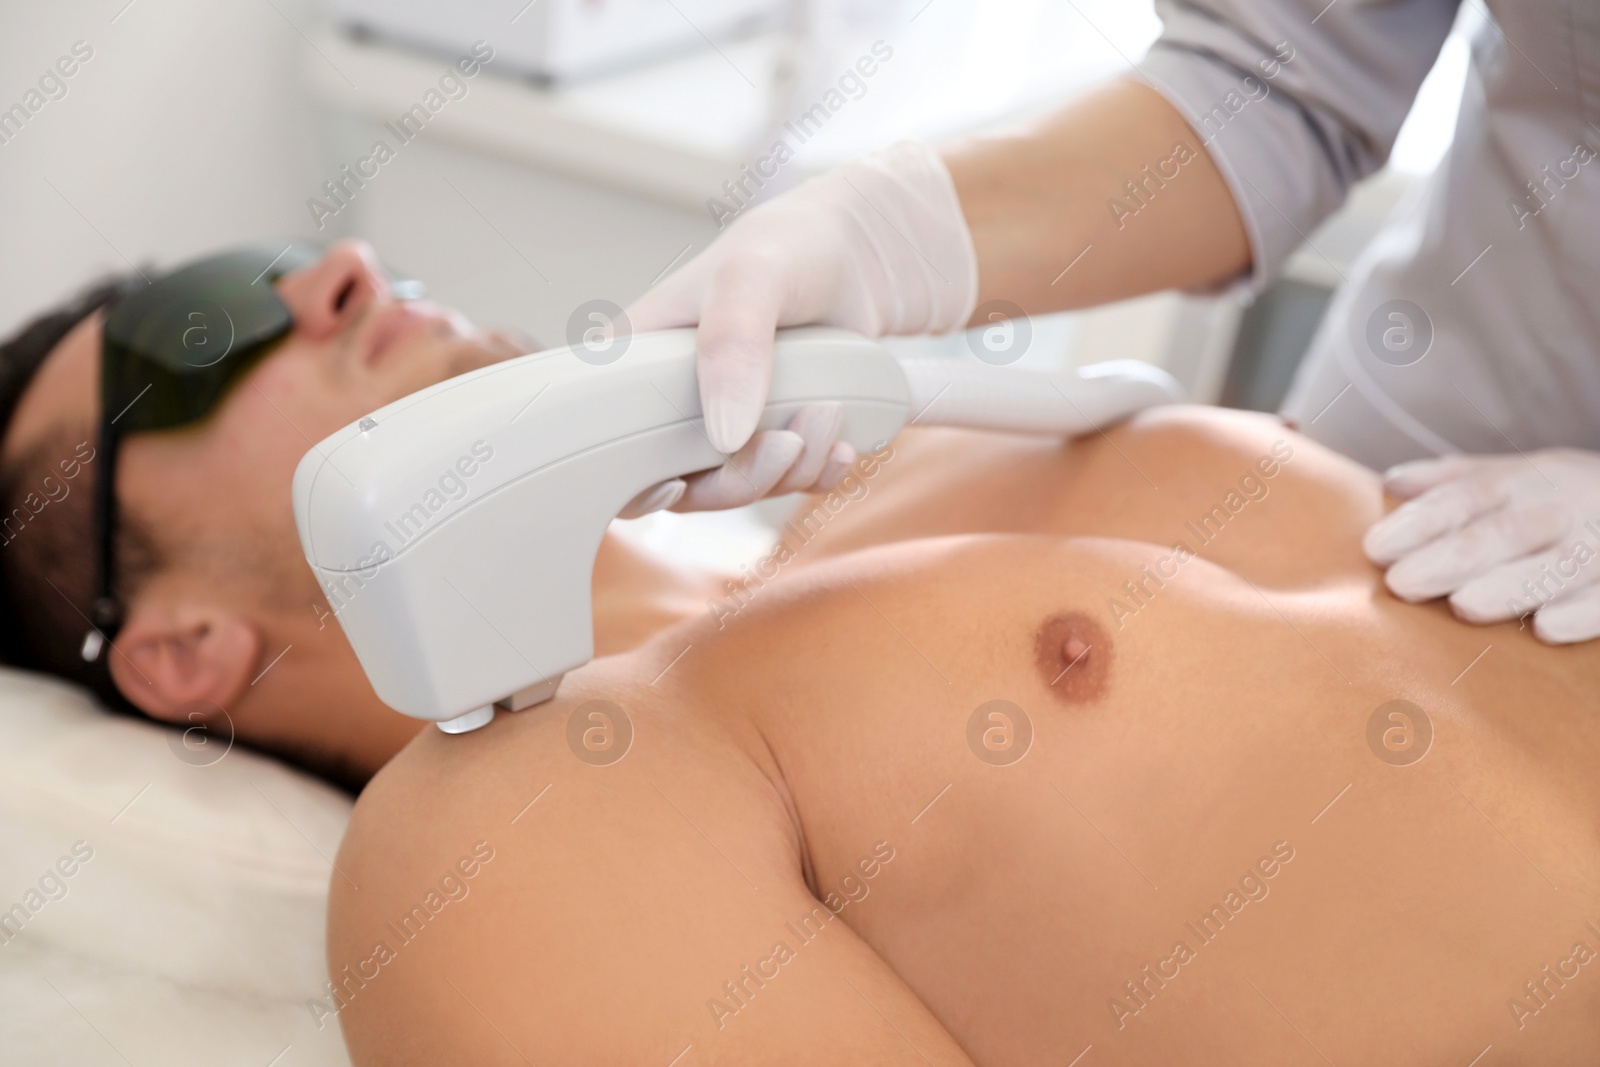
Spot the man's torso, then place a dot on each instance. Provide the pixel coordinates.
(1186, 841)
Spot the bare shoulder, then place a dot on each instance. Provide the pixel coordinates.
(585, 882)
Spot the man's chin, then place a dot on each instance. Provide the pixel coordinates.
(482, 349)
(512, 343)
(472, 352)
(446, 354)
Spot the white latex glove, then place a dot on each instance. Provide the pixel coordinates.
(878, 246)
(802, 457)
(1502, 536)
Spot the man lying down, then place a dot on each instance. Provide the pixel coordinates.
(1116, 750)
(202, 610)
(1105, 752)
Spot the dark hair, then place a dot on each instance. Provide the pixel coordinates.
(47, 570)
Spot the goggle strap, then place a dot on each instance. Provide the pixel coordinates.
(104, 610)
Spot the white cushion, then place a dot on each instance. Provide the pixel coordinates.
(194, 933)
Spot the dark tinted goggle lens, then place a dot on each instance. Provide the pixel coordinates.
(172, 350)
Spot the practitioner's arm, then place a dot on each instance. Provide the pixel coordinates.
(1056, 224)
(1266, 114)
(883, 245)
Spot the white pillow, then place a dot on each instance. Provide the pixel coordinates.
(157, 904)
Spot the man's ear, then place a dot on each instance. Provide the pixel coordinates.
(172, 659)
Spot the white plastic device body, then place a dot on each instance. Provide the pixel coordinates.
(455, 530)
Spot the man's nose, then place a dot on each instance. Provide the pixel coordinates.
(336, 290)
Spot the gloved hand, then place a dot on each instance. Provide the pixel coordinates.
(1503, 536)
(878, 246)
(802, 457)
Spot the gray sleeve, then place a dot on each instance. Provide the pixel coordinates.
(1295, 100)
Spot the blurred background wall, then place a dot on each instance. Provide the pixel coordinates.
(188, 128)
(194, 125)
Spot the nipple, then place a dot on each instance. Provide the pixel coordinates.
(1073, 654)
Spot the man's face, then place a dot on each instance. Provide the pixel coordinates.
(353, 349)
(218, 492)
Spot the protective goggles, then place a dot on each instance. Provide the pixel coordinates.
(169, 354)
